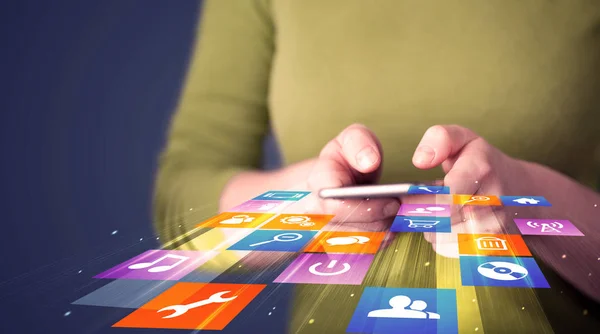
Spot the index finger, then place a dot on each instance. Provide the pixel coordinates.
(440, 143)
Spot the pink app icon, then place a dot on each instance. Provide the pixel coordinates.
(427, 210)
(547, 227)
(164, 265)
(313, 268)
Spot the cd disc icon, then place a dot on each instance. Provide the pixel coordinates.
(504, 271)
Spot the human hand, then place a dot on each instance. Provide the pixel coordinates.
(472, 167)
(351, 158)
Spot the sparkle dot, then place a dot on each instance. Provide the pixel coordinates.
(79, 272)
(564, 256)
(274, 307)
(473, 300)
(595, 205)
(68, 313)
(348, 206)
(590, 274)
(522, 308)
(369, 209)
(585, 312)
(351, 295)
(141, 239)
(157, 238)
(311, 321)
(395, 251)
(476, 329)
(270, 313)
(179, 225)
(115, 232)
(516, 213)
(240, 266)
(426, 264)
(476, 181)
(343, 202)
(191, 209)
(368, 199)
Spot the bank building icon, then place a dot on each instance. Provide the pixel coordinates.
(491, 243)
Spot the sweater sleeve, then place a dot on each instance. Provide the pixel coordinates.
(222, 118)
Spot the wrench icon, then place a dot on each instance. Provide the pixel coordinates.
(182, 309)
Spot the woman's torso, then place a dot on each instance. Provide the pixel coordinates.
(524, 75)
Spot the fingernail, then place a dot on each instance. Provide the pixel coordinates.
(391, 209)
(366, 158)
(424, 155)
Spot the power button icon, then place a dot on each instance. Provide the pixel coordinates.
(313, 269)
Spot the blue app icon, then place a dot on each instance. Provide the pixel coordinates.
(428, 190)
(282, 195)
(515, 272)
(421, 224)
(524, 201)
(402, 310)
(274, 240)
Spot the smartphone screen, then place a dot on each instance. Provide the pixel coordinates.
(382, 190)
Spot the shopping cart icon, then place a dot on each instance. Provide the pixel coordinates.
(416, 223)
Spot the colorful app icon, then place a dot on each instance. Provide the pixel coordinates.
(492, 245)
(282, 195)
(312, 268)
(425, 210)
(477, 200)
(346, 242)
(193, 306)
(237, 220)
(547, 227)
(274, 240)
(159, 265)
(307, 222)
(395, 310)
(428, 190)
(516, 272)
(266, 206)
(421, 224)
(524, 201)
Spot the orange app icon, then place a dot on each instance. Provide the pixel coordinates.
(298, 222)
(492, 244)
(237, 220)
(193, 306)
(476, 200)
(346, 242)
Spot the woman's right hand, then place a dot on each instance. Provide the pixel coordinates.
(354, 157)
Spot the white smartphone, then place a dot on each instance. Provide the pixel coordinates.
(371, 191)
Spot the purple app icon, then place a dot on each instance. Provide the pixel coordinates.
(547, 227)
(258, 206)
(317, 268)
(165, 265)
(426, 210)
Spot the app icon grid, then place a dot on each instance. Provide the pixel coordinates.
(405, 306)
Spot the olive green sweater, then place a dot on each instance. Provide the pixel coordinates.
(525, 75)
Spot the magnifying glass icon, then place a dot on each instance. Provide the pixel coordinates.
(477, 199)
(283, 237)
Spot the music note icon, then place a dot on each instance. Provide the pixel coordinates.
(159, 269)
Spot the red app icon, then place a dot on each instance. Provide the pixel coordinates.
(193, 306)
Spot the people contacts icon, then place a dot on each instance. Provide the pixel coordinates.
(404, 307)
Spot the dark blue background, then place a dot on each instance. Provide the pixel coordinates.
(86, 92)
